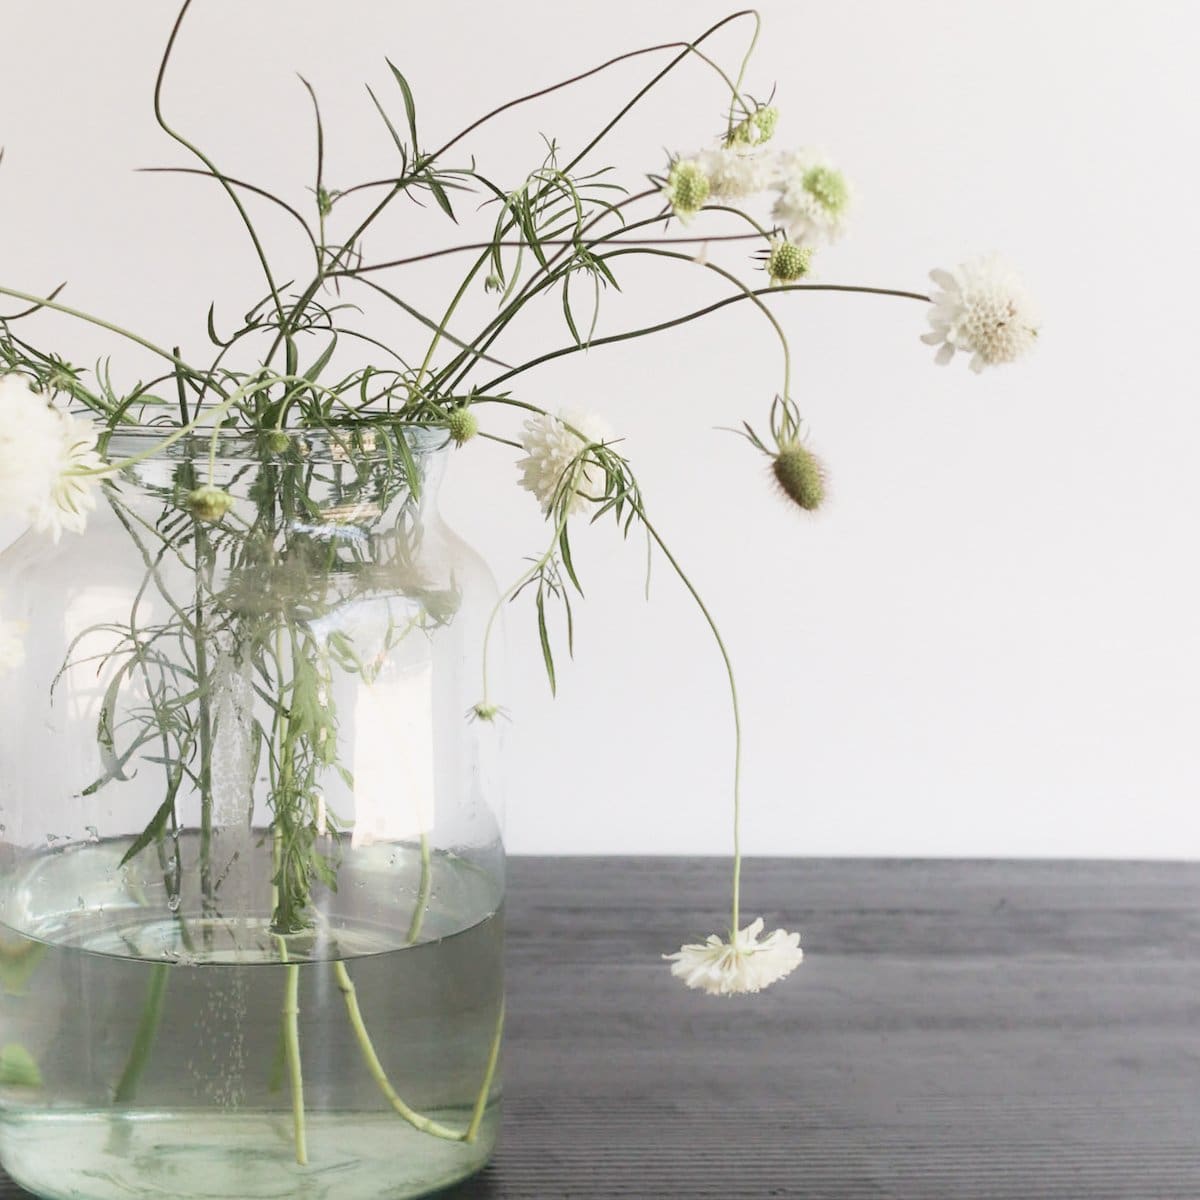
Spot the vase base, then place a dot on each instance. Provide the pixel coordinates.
(243, 1155)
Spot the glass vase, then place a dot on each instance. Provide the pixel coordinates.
(251, 873)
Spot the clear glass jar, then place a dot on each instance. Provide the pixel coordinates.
(251, 873)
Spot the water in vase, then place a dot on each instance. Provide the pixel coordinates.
(144, 1053)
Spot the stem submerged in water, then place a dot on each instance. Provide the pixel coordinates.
(147, 1031)
(291, 1033)
(375, 1067)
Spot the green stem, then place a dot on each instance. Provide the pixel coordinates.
(737, 714)
(691, 316)
(44, 302)
(233, 196)
(485, 1089)
(375, 1067)
(291, 1029)
(147, 1031)
(423, 890)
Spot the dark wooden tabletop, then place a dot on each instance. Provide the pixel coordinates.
(965, 1030)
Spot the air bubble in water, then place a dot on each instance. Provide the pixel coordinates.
(173, 902)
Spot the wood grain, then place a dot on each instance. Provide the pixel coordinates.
(979, 1030)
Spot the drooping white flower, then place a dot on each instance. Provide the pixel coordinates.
(552, 452)
(736, 172)
(812, 197)
(45, 457)
(983, 309)
(743, 964)
(12, 645)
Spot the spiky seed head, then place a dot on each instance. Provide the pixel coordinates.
(278, 442)
(209, 503)
(801, 475)
(462, 425)
(687, 187)
(483, 711)
(788, 262)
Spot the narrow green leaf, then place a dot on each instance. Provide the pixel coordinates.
(544, 636)
(410, 106)
(439, 194)
(566, 307)
(391, 129)
(564, 544)
(315, 370)
(158, 823)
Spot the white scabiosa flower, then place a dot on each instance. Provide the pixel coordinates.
(812, 197)
(736, 172)
(552, 453)
(743, 964)
(45, 460)
(983, 309)
(12, 645)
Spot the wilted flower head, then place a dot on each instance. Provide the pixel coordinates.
(735, 172)
(743, 964)
(47, 461)
(981, 308)
(687, 187)
(812, 197)
(552, 453)
(787, 261)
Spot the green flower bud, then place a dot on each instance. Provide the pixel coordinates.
(209, 503)
(788, 262)
(765, 121)
(687, 187)
(278, 442)
(493, 283)
(462, 425)
(484, 711)
(801, 475)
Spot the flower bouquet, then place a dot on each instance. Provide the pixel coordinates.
(251, 908)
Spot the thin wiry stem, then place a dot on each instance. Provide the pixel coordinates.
(734, 704)
(233, 196)
(692, 316)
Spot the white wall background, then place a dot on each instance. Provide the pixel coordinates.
(989, 643)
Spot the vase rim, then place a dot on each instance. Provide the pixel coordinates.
(362, 444)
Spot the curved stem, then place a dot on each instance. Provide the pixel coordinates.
(485, 1088)
(357, 272)
(158, 116)
(737, 715)
(699, 312)
(46, 302)
(375, 1067)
